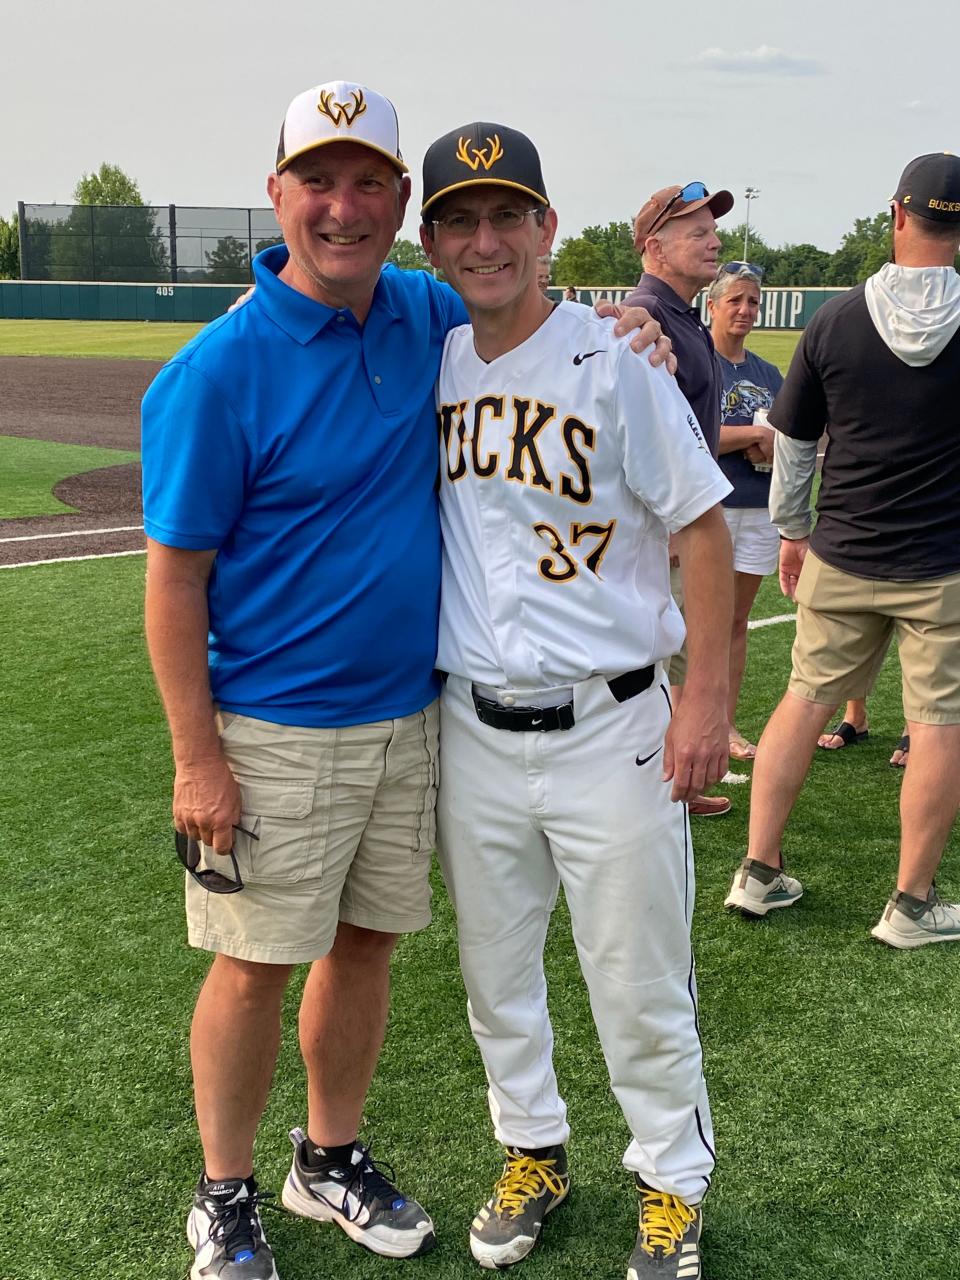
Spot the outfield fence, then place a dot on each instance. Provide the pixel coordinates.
(131, 300)
(175, 244)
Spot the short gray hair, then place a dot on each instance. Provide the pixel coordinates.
(725, 280)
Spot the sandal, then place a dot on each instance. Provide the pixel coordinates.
(740, 748)
(847, 734)
(903, 746)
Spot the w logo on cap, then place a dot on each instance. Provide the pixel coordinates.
(474, 157)
(341, 112)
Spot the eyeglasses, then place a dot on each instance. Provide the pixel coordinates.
(188, 851)
(692, 191)
(465, 224)
(742, 269)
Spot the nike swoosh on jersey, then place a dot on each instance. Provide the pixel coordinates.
(579, 359)
(649, 757)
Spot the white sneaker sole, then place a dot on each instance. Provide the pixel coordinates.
(740, 900)
(883, 932)
(495, 1259)
(381, 1240)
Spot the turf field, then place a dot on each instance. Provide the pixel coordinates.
(31, 469)
(829, 1058)
(137, 340)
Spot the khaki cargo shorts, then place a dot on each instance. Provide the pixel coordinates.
(844, 625)
(345, 825)
(677, 665)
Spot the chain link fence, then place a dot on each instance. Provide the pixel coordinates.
(176, 244)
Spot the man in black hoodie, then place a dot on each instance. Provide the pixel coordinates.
(879, 369)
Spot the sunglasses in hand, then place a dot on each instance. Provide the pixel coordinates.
(188, 852)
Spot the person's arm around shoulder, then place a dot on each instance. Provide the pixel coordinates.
(206, 798)
(697, 742)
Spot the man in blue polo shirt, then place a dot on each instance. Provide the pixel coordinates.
(290, 460)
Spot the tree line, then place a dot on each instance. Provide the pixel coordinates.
(598, 256)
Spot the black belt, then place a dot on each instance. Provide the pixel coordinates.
(546, 719)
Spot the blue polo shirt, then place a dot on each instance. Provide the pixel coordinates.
(303, 448)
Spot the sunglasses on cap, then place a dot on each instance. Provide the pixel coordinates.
(742, 269)
(692, 191)
(188, 852)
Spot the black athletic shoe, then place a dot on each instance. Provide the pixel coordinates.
(360, 1198)
(668, 1241)
(225, 1232)
(508, 1225)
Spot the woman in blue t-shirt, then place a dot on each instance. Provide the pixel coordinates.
(746, 457)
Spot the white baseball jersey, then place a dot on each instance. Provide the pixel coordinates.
(564, 465)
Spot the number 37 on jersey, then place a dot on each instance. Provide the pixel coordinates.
(520, 423)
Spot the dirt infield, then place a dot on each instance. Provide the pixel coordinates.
(88, 402)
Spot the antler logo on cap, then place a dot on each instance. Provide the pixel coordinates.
(342, 112)
(474, 157)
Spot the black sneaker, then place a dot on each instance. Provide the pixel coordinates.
(361, 1199)
(668, 1241)
(225, 1232)
(508, 1226)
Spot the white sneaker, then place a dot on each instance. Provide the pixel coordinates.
(909, 922)
(757, 889)
(361, 1199)
(225, 1232)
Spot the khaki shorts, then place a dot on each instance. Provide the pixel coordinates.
(844, 625)
(345, 821)
(677, 666)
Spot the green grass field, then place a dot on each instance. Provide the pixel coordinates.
(136, 340)
(830, 1059)
(31, 469)
(108, 340)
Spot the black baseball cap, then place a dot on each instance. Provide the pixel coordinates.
(481, 154)
(930, 187)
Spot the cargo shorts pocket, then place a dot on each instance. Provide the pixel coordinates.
(284, 825)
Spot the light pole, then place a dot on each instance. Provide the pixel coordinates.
(751, 193)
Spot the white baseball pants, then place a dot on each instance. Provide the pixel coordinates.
(520, 813)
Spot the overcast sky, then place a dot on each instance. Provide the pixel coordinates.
(818, 103)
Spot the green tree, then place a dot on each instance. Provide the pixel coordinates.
(579, 262)
(758, 251)
(409, 256)
(229, 262)
(598, 256)
(799, 264)
(109, 185)
(9, 249)
(862, 251)
(109, 235)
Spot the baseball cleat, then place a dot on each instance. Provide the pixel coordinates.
(359, 1198)
(225, 1233)
(668, 1238)
(913, 922)
(757, 889)
(508, 1226)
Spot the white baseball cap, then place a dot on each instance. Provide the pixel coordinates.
(339, 111)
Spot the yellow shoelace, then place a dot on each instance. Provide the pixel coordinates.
(663, 1220)
(523, 1179)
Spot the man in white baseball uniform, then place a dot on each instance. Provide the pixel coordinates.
(565, 465)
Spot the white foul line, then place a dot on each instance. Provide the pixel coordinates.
(769, 622)
(111, 555)
(105, 555)
(74, 533)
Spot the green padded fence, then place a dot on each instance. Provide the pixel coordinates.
(67, 300)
